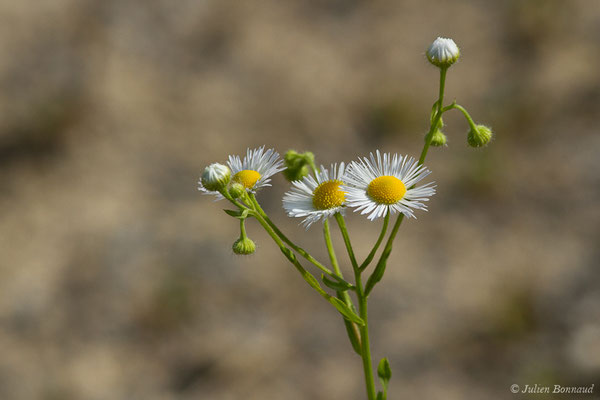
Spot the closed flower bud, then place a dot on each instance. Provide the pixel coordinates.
(215, 177)
(244, 246)
(236, 190)
(297, 165)
(443, 52)
(479, 136)
(438, 138)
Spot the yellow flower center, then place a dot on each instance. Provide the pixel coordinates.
(328, 195)
(247, 177)
(386, 189)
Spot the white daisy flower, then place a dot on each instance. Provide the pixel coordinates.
(384, 183)
(317, 198)
(255, 171)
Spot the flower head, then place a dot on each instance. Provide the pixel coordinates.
(297, 164)
(256, 169)
(244, 246)
(214, 178)
(479, 136)
(317, 198)
(443, 52)
(384, 183)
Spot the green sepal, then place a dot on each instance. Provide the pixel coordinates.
(339, 284)
(385, 373)
(240, 214)
(345, 310)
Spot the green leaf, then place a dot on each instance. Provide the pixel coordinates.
(352, 335)
(380, 396)
(240, 214)
(345, 310)
(385, 373)
(339, 285)
(383, 370)
(312, 281)
(376, 275)
(233, 213)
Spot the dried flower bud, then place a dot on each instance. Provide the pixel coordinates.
(443, 52)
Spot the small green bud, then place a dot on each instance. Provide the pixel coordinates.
(438, 138)
(215, 177)
(479, 136)
(297, 164)
(236, 190)
(244, 246)
(443, 52)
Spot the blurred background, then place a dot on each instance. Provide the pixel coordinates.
(117, 279)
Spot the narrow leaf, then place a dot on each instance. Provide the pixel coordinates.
(385, 373)
(233, 213)
(339, 285)
(383, 370)
(345, 310)
(376, 276)
(239, 214)
(312, 281)
(352, 335)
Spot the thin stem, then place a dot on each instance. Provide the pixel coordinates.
(369, 258)
(330, 249)
(465, 113)
(284, 238)
(390, 242)
(342, 224)
(243, 228)
(366, 348)
(362, 307)
(351, 328)
(437, 117)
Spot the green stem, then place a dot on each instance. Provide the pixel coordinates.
(351, 328)
(390, 242)
(330, 249)
(369, 258)
(362, 308)
(365, 346)
(287, 241)
(438, 115)
(342, 224)
(243, 228)
(465, 113)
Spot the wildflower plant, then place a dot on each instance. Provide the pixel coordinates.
(382, 185)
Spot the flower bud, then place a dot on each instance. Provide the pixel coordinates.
(479, 136)
(215, 177)
(443, 52)
(236, 189)
(244, 246)
(297, 165)
(438, 138)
